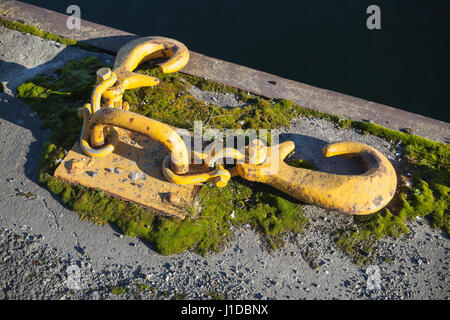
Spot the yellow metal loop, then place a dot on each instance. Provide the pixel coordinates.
(140, 124)
(220, 175)
(105, 79)
(85, 113)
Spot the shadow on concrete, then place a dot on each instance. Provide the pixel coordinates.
(310, 148)
(19, 113)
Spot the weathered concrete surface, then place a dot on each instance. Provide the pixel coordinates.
(247, 79)
(44, 238)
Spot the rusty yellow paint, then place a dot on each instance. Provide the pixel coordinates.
(135, 157)
(355, 194)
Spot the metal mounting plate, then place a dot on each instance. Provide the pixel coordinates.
(131, 173)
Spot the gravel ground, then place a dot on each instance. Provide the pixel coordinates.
(46, 252)
(225, 100)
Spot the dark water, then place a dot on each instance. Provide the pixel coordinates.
(322, 43)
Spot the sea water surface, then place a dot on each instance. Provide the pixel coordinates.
(325, 43)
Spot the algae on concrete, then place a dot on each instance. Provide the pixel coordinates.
(21, 27)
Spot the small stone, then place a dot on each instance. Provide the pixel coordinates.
(407, 130)
(117, 170)
(92, 173)
(133, 176)
(75, 166)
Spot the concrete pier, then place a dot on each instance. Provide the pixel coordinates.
(41, 239)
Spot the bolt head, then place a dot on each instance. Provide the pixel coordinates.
(104, 74)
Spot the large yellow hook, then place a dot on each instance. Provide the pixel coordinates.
(355, 194)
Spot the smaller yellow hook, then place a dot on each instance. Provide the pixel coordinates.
(174, 53)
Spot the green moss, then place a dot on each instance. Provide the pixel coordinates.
(310, 256)
(143, 287)
(359, 240)
(211, 222)
(208, 85)
(216, 295)
(119, 290)
(420, 151)
(425, 196)
(21, 27)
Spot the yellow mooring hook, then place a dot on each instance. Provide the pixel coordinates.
(355, 194)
